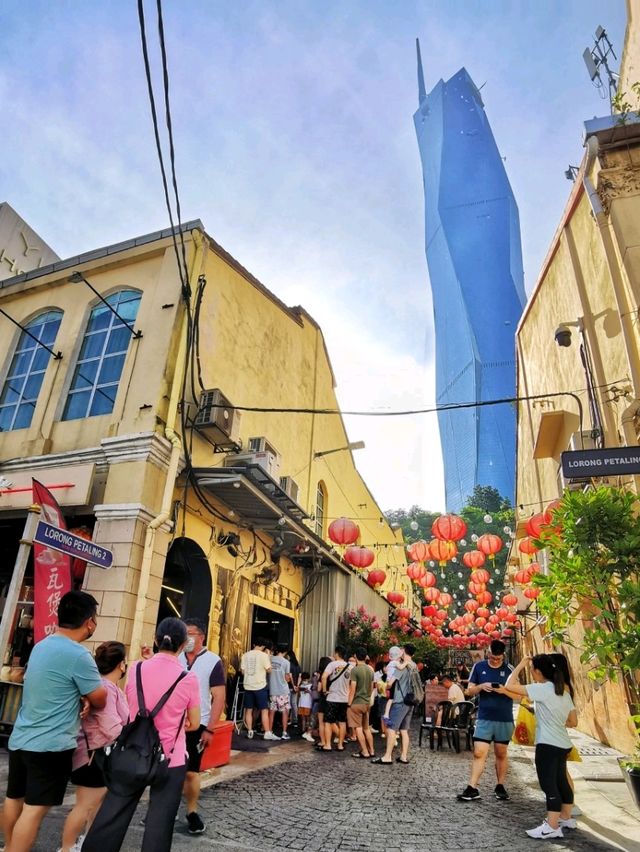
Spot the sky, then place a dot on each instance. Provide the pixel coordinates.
(295, 147)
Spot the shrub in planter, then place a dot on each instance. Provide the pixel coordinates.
(630, 767)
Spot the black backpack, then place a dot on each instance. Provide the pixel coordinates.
(136, 759)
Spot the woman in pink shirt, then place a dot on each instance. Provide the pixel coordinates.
(181, 712)
(98, 729)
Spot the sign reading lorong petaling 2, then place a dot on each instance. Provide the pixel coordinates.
(73, 545)
(613, 461)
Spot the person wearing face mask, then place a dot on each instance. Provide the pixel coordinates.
(209, 670)
(98, 729)
(61, 678)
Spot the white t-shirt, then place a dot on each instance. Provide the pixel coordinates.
(338, 687)
(552, 712)
(455, 695)
(255, 665)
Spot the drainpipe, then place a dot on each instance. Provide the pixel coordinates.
(172, 469)
(628, 336)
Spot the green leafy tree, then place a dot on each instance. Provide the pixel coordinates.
(594, 558)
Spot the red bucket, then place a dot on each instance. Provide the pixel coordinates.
(218, 752)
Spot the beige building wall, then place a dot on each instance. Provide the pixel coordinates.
(630, 63)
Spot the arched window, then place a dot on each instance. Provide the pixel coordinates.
(321, 508)
(95, 379)
(26, 372)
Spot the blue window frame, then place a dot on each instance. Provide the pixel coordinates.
(26, 372)
(97, 374)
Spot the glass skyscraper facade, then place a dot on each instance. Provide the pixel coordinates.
(472, 237)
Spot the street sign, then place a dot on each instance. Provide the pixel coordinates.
(73, 545)
(613, 461)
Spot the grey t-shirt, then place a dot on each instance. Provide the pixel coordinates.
(280, 667)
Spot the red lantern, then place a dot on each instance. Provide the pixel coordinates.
(534, 568)
(484, 598)
(343, 531)
(358, 556)
(511, 617)
(476, 588)
(535, 524)
(432, 595)
(474, 559)
(523, 576)
(427, 580)
(416, 570)
(510, 599)
(395, 597)
(442, 551)
(445, 599)
(471, 606)
(417, 634)
(429, 610)
(531, 592)
(483, 612)
(449, 528)
(528, 546)
(376, 578)
(549, 512)
(425, 623)
(502, 612)
(403, 612)
(480, 622)
(481, 575)
(419, 551)
(489, 544)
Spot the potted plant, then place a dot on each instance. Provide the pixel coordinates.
(630, 767)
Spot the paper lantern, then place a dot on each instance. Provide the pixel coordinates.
(343, 531)
(431, 595)
(442, 551)
(358, 556)
(480, 575)
(418, 551)
(490, 544)
(395, 597)
(510, 599)
(471, 606)
(376, 578)
(484, 597)
(483, 612)
(549, 513)
(416, 570)
(528, 546)
(474, 559)
(476, 588)
(449, 528)
(429, 610)
(531, 592)
(523, 576)
(534, 568)
(427, 580)
(535, 525)
(403, 613)
(445, 599)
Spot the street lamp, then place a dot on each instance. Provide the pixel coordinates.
(355, 445)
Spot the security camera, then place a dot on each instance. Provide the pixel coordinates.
(563, 335)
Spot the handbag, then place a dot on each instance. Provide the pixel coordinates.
(525, 730)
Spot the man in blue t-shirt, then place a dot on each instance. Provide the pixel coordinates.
(61, 677)
(494, 720)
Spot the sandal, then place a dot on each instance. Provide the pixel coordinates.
(400, 760)
(359, 754)
(380, 762)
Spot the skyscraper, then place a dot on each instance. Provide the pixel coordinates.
(472, 238)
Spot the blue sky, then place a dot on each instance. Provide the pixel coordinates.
(295, 146)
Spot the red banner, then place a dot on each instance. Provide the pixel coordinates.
(52, 570)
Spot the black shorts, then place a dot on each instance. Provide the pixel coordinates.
(322, 704)
(40, 778)
(195, 756)
(336, 712)
(91, 774)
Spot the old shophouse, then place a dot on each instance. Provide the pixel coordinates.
(176, 418)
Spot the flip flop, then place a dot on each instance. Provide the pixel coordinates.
(362, 756)
(380, 762)
(339, 749)
(400, 760)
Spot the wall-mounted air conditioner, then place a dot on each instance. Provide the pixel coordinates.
(217, 417)
(290, 487)
(267, 460)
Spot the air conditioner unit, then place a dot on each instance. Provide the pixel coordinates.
(268, 461)
(290, 487)
(217, 417)
(262, 445)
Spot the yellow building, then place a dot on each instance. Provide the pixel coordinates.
(578, 352)
(182, 419)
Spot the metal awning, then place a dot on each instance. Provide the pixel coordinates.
(260, 502)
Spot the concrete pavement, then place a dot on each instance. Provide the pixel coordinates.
(292, 797)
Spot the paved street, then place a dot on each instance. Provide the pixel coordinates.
(329, 802)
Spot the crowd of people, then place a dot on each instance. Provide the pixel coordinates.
(74, 714)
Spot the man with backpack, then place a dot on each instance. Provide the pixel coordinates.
(407, 695)
(335, 685)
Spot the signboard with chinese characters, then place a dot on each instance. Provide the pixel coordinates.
(51, 569)
(73, 545)
(614, 461)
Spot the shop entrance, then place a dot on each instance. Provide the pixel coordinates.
(186, 583)
(271, 625)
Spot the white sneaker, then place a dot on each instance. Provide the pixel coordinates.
(568, 823)
(249, 734)
(545, 832)
(285, 736)
(307, 736)
(269, 735)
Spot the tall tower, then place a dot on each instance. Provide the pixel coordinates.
(472, 238)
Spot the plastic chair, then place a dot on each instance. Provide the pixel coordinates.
(459, 721)
(434, 723)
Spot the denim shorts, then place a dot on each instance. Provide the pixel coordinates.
(400, 716)
(256, 699)
(487, 731)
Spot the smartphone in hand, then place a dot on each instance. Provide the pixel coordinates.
(496, 685)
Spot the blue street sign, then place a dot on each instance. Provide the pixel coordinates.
(72, 545)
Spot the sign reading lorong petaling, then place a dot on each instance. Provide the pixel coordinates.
(73, 545)
(612, 461)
